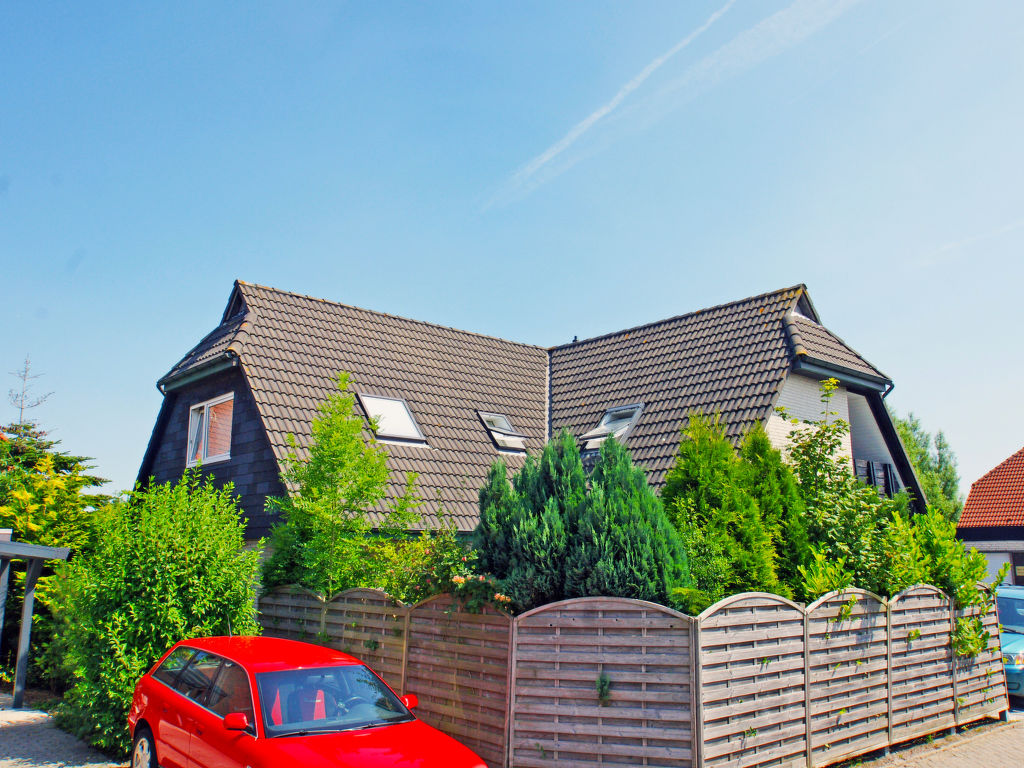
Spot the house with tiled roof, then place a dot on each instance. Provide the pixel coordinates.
(992, 520)
(450, 402)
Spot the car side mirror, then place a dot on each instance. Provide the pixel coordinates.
(411, 700)
(236, 721)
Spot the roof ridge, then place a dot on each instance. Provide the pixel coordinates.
(388, 314)
(998, 466)
(800, 288)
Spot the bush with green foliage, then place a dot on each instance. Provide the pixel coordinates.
(550, 535)
(171, 564)
(934, 464)
(707, 496)
(337, 530)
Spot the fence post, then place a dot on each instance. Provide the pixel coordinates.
(405, 645)
(698, 697)
(888, 672)
(511, 696)
(952, 665)
(807, 686)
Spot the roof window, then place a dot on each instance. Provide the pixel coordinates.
(617, 422)
(393, 418)
(209, 431)
(502, 433)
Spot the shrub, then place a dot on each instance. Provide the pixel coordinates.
(170, 565)
(706, 496)
(620, 541)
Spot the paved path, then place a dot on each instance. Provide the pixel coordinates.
(29, 739)
(991, 746)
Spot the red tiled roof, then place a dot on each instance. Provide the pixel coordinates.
(997, 498)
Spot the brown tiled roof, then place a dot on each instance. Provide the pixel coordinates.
(729, 359)
(291, 348)
(997, 497)
(818, 343)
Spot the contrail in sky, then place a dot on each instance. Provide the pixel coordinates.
(770, 37)
(523, 174)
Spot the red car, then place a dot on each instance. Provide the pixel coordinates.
(261, 702)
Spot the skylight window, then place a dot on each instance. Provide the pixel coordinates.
(209, 431)
(394, 419)
(502, 432)
(617, 422)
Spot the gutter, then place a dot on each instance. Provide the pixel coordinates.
(845, 375)
(218, 364)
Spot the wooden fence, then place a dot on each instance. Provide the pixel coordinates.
(755, 680)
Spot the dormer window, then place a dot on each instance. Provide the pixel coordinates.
(209, 431)
(617, 422)
(393, 417)
(502, 433)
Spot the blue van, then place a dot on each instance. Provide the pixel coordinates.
(1010, 603)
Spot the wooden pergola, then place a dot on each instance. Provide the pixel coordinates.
(35, 555)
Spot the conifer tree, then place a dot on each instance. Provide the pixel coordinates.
(622, 542)
(773, 485)
(704, 495)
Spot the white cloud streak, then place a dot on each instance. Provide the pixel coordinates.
(524, 174)
(948, 252)
(768, 38)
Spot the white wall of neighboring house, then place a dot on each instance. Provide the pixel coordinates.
(801, 397)
(996, 559)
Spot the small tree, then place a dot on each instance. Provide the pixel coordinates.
(705, 495)
(338, 531)
(934, 464)
(621, 542)
(171, 564)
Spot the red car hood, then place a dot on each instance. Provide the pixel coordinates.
(405, 745)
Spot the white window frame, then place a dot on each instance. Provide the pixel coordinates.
(384, 436)
(204, 409)
(510, 439)
(593, 439)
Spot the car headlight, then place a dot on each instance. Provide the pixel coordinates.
(1013, 659)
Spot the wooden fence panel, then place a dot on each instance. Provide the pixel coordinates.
(753, 699)
(980, 682)
(458, 664)
(562, 649)
(922, 663)
(294, 613)
(848, 675)
(370, 625)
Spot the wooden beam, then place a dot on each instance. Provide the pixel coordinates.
(35, 566)
(5, 574)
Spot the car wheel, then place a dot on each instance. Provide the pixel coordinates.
(143, 751)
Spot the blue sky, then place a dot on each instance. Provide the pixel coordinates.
(531, 170)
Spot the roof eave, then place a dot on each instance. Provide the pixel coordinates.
(817, 367)
(220, 363)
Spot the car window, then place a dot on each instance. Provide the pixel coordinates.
(196, 678)
(168, 671)
(342, 698)
(1011, 613)
(230, 692)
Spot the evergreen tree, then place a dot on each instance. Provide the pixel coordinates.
(622, 542)
(934, 464)
(705, 495)
(773, 485)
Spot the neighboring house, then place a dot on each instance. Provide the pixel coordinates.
(993, 517)
(450, 402)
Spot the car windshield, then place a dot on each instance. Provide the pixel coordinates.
(326, 699)
(1011, 613)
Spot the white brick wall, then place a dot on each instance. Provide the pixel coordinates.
(801, 397)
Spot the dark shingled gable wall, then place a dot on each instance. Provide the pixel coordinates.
(252, 466)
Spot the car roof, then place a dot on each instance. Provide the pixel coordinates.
(271, 654)
(1010, 589)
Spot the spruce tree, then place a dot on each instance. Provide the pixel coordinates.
(705, 496)
(622, 543)
(774, 486)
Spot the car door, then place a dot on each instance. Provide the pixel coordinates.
(214, 746)
(185, 707)
(164, 712)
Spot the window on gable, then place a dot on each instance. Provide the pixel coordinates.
(209, 431)
(617, 422)
(502, 432)
(394, 419)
